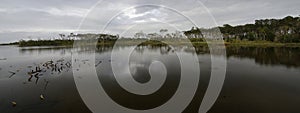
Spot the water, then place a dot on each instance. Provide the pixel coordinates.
(258, 79)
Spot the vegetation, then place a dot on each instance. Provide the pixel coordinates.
(13, 43)
(57, 42)
(286, 30)
(265, 32)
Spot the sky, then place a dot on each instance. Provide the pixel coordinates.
(45, 19)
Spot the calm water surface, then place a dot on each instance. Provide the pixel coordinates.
(257, 80)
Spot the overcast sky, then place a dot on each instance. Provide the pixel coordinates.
(25, 19)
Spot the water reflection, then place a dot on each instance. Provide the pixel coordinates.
(40, 79)
(140, 61)
(285, 56)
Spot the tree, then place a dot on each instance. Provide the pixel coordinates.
(163, 32)
(140, 34)
(62, 36)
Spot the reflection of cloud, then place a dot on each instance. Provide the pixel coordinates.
(135, 66)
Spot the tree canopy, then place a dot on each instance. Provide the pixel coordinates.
(284, 30)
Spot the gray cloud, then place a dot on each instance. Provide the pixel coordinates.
(45, 19)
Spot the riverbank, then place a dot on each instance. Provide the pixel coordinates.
(70, 43)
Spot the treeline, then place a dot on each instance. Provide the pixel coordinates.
(12, 43)
(67, 40)
(286, 30)
(56, 42)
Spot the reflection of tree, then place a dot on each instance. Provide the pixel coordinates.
(262, 55)
(163, 49)
(45, 50)
(288, 56)
(268, 56)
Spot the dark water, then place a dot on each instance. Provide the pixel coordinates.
(257, 79)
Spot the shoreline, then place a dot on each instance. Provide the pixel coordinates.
(157, 43)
